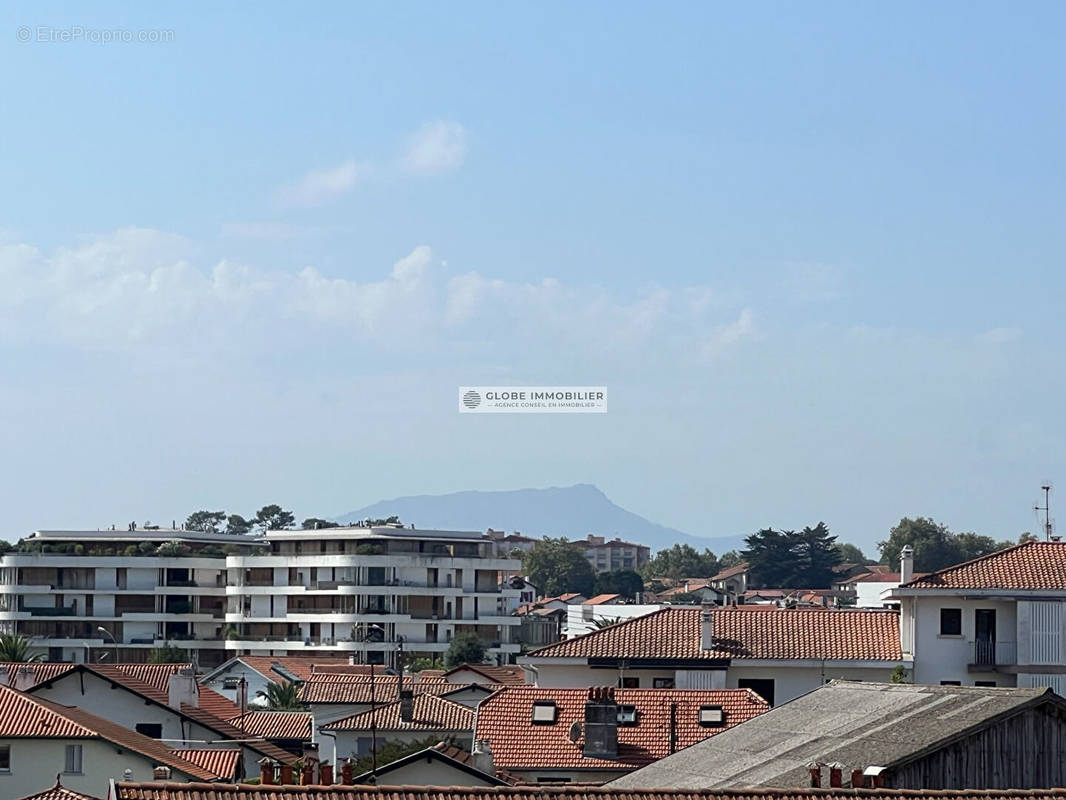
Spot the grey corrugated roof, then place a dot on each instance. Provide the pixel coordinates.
(855, 724)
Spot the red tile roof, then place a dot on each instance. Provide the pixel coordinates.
(275, 724)
(300, 666)
(600, 599)
(505, 719)
(58, 792)
(40, 670)
(794, 633)
(221, 762)
(363, 691)
(221, 791)
(1027, 566)
(431, 713)
(345, 669)
(158, 676)
(732, 572)
(507, 674)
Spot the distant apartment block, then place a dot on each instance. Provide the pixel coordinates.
(359, 592)
(608, 556)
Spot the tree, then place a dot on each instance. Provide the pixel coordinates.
(729, 560)
(465, 648)
(205, 521)
(1027, 537)
(16, 648)
(273, 518)
(851, 554)
(393, 751)
(557, 566)
(816, 555)
(236, 524)
(625, 582)
(284, 696)
(770, 558)
(168, 654)
(682, 561)
(935, 546)
(314, 523)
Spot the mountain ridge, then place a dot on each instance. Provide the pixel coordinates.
(571, 511)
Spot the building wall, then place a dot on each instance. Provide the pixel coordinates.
(342, 744)
(431, 772)
(35, 762)
(791, 682)
(580, 619)
(946, 658)
(868, 594)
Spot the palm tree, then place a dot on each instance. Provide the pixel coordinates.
(283, 697)
(16, 647)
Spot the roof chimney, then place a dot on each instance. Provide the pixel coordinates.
(858, 780)
(24, 678)
(601, 724)
(816, 774)
(182, 688)
(325, 773)
(481, 757)
(266, 771)
(348, 772)
(407, 705)
(706, 628)
(836, 775)
(906, 564)
(161, 773)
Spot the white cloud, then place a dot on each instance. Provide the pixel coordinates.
(436, 147)
(320, 186)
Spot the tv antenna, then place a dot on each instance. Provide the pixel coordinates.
(1046, 508)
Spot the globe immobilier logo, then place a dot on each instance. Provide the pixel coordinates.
(533, 399)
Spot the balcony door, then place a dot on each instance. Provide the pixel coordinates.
(984, 623)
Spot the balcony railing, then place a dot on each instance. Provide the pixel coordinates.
(993, 654)
(56, 611)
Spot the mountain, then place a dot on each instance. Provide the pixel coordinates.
(571, 511)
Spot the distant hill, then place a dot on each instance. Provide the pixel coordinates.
(571, 511)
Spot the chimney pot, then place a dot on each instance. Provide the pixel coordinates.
(482, 757)
(266, 772)
(307, 774)
(407, 705)
(161, 773)
(325, 773)
(857, 779)
(706, 628)
(348, 772)
(816, 774)
(836, 776)
(906, 564)
(286, 775)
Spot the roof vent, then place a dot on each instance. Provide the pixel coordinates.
(544, 712)
(711, 716)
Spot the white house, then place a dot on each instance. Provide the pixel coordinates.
(780, 653)
(39, 740)
(998, 620)
(591, 616)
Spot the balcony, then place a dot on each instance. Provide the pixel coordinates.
(986, 656)
(54, 611)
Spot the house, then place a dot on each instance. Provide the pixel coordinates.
(404, 721)
(173, 714)
(540, 735)
(539, 625)
(996, 620)
(486, 674)
(780, 653)
(901, 736)
(732, 580)
(39, 739)
(698, 591)
(289, 730)
(259, 672)
(440, 765)
(58, 791)
(613, 555)
(591, 616)
(869, 590)
(206, 791)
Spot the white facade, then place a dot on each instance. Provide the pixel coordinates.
(36, 761)
(872, 594)
(581, 619)
(114, 595)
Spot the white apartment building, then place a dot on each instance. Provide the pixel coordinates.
(112, 596)
(999, 620)
(365, 591)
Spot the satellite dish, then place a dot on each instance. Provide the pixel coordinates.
(575, 731)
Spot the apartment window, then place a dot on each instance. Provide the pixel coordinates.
(951, 622)
(663, 683)
(629, 683)
(152, 729)
(543, 712)
(73, 761)
(984, 683)
(951, 683)
(5, 758)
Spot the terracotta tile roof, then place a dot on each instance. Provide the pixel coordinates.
(40, 670)
(300, 666)
(600, 599)
(117, 676)
(363, 691)
(345, 669)
(795, 633)
(732, 572)
(158, 676)
(1027, 566)
(222, 791)
(505, 719)
(507, 674)
(58, 792)
(569, 597)
(431, 713)
(221, 762)
(275, 724)
(431, 674)
(23, 715)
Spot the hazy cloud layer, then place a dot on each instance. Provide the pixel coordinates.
(436, 147)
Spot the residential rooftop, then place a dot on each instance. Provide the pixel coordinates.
(430, 713)
(1028, 567)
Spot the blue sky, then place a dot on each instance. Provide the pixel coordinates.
(813, 250)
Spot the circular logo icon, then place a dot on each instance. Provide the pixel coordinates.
(471, 399)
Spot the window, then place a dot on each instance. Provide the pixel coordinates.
(764, 687)
(363, 745)
(629, 683)
(543, 712)
(984, 683)
(152, 729)
(951, 622)
(951, 683)
(73, 765)
(711, 716)
(5, 758)
(627, 715)
(663, 683)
